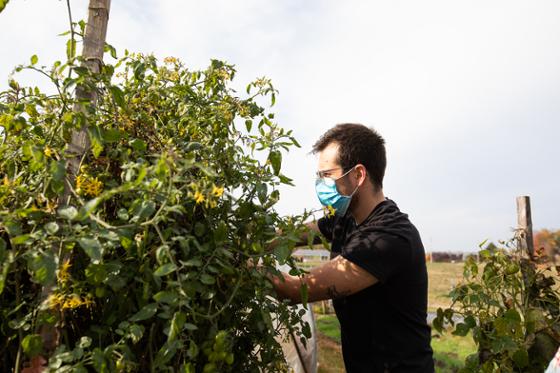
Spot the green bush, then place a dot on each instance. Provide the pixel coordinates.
(511, 304)
(146, 265)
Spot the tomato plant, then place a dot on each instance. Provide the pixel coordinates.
(144, 267)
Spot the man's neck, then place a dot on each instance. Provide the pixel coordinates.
(367, 204)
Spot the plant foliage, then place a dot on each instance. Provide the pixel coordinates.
(145, 266)
(511, 306)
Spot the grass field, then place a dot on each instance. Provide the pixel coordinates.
(449, 351)
(442, 277)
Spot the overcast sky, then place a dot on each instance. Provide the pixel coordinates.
(466, 94)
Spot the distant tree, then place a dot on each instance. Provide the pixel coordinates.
(547, 241)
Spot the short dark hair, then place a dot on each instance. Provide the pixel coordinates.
(357, 144)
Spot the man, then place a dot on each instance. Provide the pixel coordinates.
(377, 274)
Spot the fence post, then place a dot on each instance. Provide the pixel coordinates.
(525, 225)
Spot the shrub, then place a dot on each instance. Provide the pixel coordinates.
(145, 265)
(511, 305)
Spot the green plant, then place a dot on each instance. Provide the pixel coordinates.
(511, 304)
(145, 266)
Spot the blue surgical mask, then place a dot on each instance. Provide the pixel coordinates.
(329, 196)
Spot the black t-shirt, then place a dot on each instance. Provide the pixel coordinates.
(383, 327)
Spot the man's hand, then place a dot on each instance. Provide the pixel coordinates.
(337, 278)
(302, 239)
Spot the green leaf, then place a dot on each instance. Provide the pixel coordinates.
(275, 158)
(99, 361)
(3, 4)
(165, 269)
(194, 262)
(282, 252)
(58, 172)
(136, 332)
(461, 329)
(166, 297)
(166, 353)
(70, 48)
(521, 358)
(304, 294)
(470, 321)
(220, 233)
(43, 267)
(92, 247)
(88, 208)
(126, 242)
(51, 228)
(32, 344)
(192, 146)
(512, 315)
(96, 140)
(122, 214)
(84, 342)
(143, 209)
(285, 180)
(118, 95)
(112, 135)
(145, 313)
(199, 229)
(4, 267)
(138, 145)
(249, 125)
(68, 213)
(112, 51)
(23, 239)
(207, 279)
(176, 327)
(34, 58)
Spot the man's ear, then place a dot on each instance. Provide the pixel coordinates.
(361, 174)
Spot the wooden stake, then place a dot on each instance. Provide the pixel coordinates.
(94, 46)
(525, 225)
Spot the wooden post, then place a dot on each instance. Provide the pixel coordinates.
(94, 46)
(525, 225)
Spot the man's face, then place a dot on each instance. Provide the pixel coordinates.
(328, 166)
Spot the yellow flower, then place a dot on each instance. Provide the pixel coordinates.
(174, 75)
(80, 179)
(170, 60)
(88, 185)
(94, 187)
(217, 191)
(63, 274)
(74, 301)
(331, 210)
(198, 197)
(55, 300)
(6, 181)
(48, 151)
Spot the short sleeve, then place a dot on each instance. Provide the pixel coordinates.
(381, 255)
(326, 226)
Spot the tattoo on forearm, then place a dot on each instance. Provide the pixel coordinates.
(335, 294)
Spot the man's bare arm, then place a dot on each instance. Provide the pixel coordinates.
(335, 279)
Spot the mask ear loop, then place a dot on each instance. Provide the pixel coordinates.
(357, 186)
